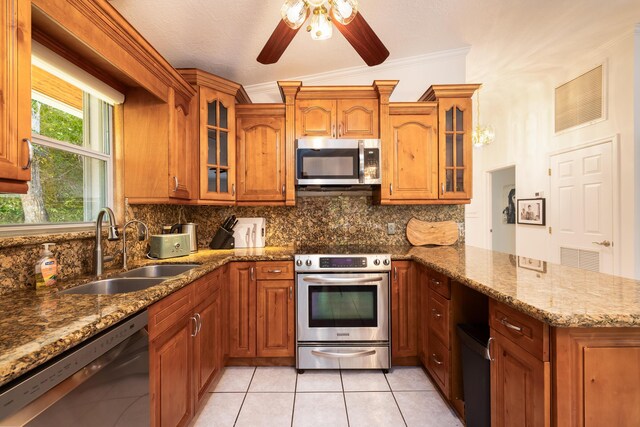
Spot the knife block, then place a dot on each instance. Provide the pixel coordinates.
(223, 240)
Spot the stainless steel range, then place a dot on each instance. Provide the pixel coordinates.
(343, 317)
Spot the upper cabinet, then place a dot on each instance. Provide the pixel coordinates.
(15, 96)
(454, 139)
(216, 125)
(260, 154)
(410, 172)
(337, 112)
(181, 148)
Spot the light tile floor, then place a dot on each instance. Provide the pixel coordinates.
(275, 396)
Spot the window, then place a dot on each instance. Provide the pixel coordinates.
(72, 165)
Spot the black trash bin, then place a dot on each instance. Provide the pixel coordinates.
(475, 374)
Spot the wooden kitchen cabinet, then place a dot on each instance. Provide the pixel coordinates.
(337, 118)
(275, 319)
(185, 349)
(260, 154)
(422, 277)
(242, 309)
(520, 385)
(410, 173)
(181, 154)
(215, 126)
(454, 139)
(404, 313)
(15, 96)
(261, 310)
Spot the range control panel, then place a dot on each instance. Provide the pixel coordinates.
(368, 262)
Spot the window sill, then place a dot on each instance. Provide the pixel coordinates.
(11, 236)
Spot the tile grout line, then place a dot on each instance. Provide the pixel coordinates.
(394, 398)
(344, 398)
(245, 396)
(295, 394)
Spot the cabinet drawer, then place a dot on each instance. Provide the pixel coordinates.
(206, 286)
(439, 317)
(438, 363)
(274, 270)
(440, 283)
(170, 310)
(530, 334)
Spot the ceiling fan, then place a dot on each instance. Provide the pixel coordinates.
(343, 14)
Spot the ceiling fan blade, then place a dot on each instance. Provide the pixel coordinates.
(363, 39)
(277, 43)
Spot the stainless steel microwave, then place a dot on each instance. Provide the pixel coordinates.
(322, 161)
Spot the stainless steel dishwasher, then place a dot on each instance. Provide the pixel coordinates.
(102, 382)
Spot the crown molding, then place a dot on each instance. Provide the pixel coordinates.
(269, 87)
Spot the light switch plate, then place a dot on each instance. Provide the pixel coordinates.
(391, 228)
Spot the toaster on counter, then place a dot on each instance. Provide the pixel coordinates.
(169, 245)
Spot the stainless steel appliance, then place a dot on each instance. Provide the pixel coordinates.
(321, 161)
(103, 382)
(342, 314)
(191, 229)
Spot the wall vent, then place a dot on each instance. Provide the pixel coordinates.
(587, 260)
(580, 100)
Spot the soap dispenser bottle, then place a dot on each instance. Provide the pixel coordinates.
(46, 268)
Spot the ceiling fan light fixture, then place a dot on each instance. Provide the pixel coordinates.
(344, 10)
(315, 3)
(294, 13)
(320, 27)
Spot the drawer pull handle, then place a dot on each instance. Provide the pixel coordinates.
(435, 359)
(274, 271)
(252, 273)
(489, 347)
(435, 282)
(435, 313)
(176, 184)
(331, 355)
(195, 326)
(511, 326)
(199, 319)
(30, 159)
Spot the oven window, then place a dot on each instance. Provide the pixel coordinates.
(343, 306)
(327, 163)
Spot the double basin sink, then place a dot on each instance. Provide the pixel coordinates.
(132, 280)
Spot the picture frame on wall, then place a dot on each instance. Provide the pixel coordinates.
(532, 264)
(531, 211)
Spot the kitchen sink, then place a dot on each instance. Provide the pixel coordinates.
(116, 285)
(161, 270)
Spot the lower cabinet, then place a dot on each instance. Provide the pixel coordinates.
(404, 313)
(185, 349)
(261, 309)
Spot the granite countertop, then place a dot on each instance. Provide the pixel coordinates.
(39, 325)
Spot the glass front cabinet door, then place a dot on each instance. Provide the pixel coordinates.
(455, 148)
(217, 146)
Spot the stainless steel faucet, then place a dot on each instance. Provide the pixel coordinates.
(98, 260)
(124, 239)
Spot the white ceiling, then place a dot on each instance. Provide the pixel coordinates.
(506, 36)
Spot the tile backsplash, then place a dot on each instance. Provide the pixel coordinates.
(314, 221)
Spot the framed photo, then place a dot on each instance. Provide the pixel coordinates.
(531, 211)
(532, 264)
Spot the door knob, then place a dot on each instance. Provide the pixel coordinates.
(604, 243)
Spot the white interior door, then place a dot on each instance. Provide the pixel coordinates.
(582, 207)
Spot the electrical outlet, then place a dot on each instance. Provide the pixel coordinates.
(391, 228)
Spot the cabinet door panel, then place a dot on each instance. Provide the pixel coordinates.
(423, 277)
(261, 158)
(414, 158)
(358, 118)
(242, 310)
(455, 148)
(15, 95)
(315, 118)
(170, 375)
(217, 146)
(208, 342)
(275, 333)
(519, 386)
(439, 317)
(180, 155)
(404, 310)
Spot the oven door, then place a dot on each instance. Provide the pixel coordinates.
(343, 307)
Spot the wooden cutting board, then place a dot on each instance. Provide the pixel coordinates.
(431, 233)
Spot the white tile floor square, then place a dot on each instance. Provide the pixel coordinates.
(278, 396)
